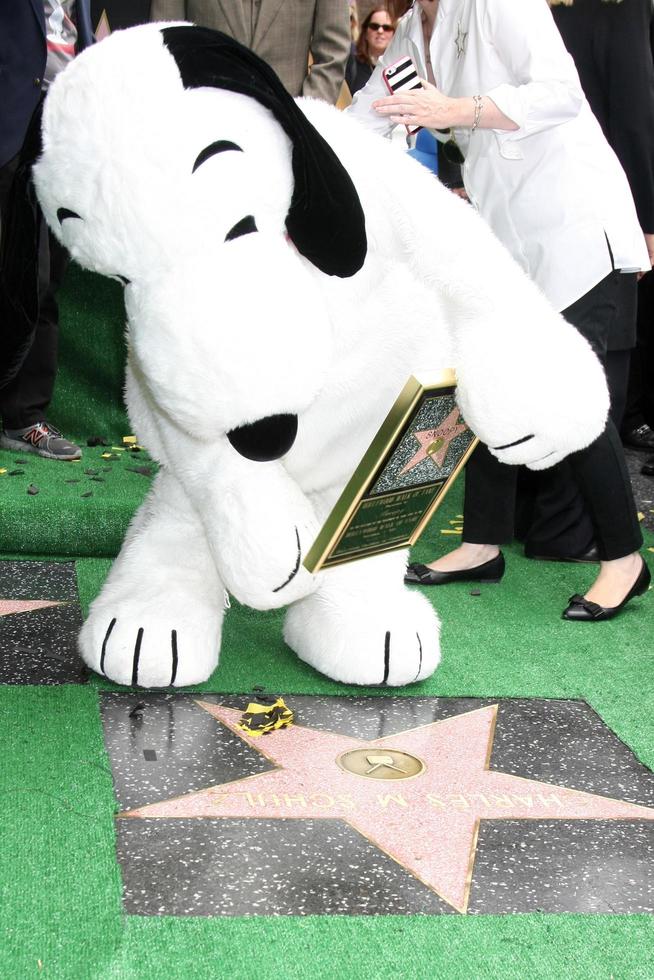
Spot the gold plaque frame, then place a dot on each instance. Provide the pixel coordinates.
(420, 500)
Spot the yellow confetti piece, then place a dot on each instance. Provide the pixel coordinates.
(458, 530)
(3, 471)
(651, 549)
(262, 718)
(118, 449)
(640, 515)
(459, 517)
(129, 440)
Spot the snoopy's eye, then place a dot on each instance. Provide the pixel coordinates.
(220, 146)
(63, 213)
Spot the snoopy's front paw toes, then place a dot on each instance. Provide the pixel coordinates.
(128, 644)
(372, 643)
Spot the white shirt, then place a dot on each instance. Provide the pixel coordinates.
(553, 190)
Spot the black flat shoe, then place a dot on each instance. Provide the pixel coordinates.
(583, 609)
(490, 571)
(639, 438)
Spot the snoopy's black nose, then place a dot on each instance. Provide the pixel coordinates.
(265, 439)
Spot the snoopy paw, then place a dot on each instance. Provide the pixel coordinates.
(127, 644)
(367, 643)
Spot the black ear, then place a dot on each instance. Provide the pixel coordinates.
(325, 220)
(19, 262)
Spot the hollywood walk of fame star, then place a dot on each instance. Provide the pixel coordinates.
(460, 40)
(10, 607)
(424, 814)
(434, 443)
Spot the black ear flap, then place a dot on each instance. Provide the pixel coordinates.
(325, 220)
(19, 258)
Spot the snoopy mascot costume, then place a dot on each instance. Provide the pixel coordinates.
(285, 271)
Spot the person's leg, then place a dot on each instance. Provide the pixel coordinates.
(25, 400)
(489, 504)
(561, 525)
(639, 401)
(602, 475)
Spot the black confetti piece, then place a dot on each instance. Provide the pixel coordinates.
(15, 473)
(142, 470)
(137, 710)
(98, 479)
(96, 441)
(91, 472)
(89, 493)
(21, 462)
(32, 490)
(475, 592)
(72, 481)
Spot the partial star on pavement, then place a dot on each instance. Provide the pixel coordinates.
(9, 607)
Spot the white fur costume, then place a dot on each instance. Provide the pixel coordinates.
(223, 333)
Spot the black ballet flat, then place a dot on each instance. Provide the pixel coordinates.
(583, 610)
(490, 571)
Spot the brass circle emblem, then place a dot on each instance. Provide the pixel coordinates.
(434, 446)
(381, 763)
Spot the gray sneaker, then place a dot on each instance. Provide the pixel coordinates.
(40, 438)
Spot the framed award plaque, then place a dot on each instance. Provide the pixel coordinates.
(402, 479)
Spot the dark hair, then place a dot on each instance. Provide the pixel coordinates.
(361, 49)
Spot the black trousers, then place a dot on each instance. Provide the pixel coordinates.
(640, 395)
(586, 497)
(25, 399)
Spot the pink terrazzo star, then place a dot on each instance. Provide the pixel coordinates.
(9, 607)
(442, 437)
(427, 822)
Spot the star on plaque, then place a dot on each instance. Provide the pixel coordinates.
(419, 796)
(460, 40)
(435, 442)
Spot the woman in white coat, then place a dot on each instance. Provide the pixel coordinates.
(501, 91)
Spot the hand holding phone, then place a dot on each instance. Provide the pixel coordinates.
(402, 76)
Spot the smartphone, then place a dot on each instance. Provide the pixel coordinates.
(400, 76)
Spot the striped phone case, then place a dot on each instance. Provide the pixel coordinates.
(399, 76)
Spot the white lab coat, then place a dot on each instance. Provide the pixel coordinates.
(553, 190)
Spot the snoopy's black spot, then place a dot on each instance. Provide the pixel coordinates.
(265, 440)
(220, 146)
(243, 227)
(63, 213)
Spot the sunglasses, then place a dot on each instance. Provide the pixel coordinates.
(386, 28)
(451, 149)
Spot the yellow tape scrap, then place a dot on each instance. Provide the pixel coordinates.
(640, 515)
(259, 719)
(129, 440)
(458, 530)
(3, 471)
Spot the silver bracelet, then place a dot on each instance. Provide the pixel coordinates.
(479, 105)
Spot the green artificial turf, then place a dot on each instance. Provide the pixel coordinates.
(60, 887)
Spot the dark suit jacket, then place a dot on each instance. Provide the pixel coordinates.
(22, 63)
(611, 47)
